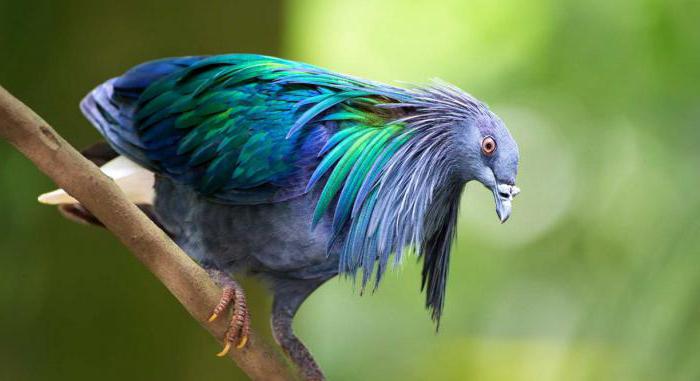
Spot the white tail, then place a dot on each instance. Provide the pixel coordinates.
(136, 181)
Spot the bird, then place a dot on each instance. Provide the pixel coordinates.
(295, 174)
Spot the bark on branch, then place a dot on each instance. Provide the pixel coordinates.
(189, 283)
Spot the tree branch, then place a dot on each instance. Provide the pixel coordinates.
(188, 282)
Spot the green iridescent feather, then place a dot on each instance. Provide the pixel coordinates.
(247, 129)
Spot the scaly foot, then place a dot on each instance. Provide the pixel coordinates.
(232, 295)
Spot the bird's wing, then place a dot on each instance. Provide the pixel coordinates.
(246, 129)
(249, 129)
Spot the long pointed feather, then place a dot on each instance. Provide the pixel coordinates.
(333, 156)
(339, 173)
(321, 107)
(357, 174)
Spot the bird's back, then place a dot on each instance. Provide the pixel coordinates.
(218, 124)
(248, 136)
(238, 140)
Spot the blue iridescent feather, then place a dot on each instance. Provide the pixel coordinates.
(248, 129)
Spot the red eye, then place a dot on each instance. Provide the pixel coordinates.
(488, 146)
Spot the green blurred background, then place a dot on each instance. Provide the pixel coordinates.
(595, 277)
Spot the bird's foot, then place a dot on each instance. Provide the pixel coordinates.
(231, 296)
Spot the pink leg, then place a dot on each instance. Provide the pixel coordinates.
(232, 296)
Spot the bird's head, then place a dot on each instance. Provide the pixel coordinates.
(490, 156)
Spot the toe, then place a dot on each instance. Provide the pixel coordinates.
(227, 296)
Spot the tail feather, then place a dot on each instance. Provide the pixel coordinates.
(141, 192)
(111, 107)
(136, 182)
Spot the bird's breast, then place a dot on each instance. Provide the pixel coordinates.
(268, 238)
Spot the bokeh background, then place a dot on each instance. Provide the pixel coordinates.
(595, 277)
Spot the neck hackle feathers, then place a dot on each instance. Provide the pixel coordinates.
(249, 129)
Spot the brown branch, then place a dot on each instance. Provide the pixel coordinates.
(188, 282)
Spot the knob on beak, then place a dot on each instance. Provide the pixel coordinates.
(504, 194)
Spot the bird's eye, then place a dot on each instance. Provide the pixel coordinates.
(488, 146)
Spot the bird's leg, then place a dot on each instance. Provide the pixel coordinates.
(232, 295)
(288, 297)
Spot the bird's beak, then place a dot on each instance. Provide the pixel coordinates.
(503, 195)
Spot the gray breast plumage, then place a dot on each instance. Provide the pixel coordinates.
(270, 239)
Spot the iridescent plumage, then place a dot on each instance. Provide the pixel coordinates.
(249, 129)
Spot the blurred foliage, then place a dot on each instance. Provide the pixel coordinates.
(593, 278)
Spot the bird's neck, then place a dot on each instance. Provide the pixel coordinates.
(418, 191)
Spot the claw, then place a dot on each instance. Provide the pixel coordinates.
(239, 326)
(227, 296)
(224, 351)
(243, 342)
